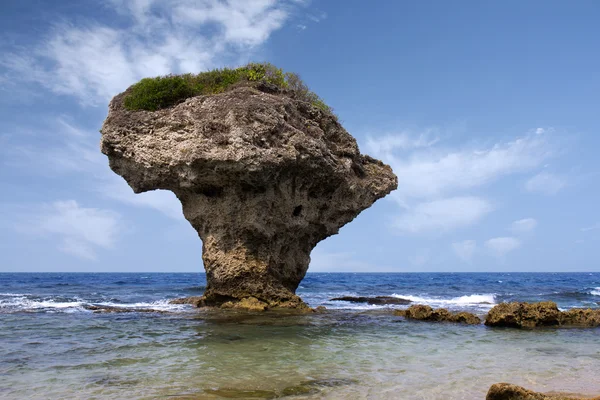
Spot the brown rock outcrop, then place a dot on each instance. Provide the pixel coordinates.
(580, 317)
(262, 177)
(426, 313)
(524, 315)
(531, 315)
(506, 391)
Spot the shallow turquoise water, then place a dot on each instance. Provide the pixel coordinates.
(52, 348)
(353, 355)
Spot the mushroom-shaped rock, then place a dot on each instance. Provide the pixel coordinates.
(262, 176)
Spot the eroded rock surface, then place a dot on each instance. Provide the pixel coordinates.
(506, 391)
(262, 178)
(426, 313)
(546, 313)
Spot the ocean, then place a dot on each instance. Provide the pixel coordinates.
(52, 346)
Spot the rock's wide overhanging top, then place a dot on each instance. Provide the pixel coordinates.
(261, 176)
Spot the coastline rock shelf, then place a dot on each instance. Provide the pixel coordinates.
(262, 174)
(546, 313)
(506, 391)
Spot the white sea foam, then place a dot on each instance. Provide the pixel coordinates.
(596, 291)
(473, 300)
(483, 301)
(16, 302)
(160, 305)
(23, 303)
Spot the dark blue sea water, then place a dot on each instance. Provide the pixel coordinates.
(52, 346)
(68, 292)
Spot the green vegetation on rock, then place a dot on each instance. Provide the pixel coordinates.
(152, 94)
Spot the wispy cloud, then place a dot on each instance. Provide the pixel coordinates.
(590, 228)
(94, 61)
(435, 171)
(386, 145)
(443, 215)
(80, 231)
(465, 249)
(435, 180)
(523, 226)
(546, 183)
(73, 151)
(501, 246)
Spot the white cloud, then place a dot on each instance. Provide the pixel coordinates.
(81, 231)
(443, 215)
(545, 183)
(465, 249)
(590, 228)
(434, 172)
(525, 225)
(95, 61)
(435, 182)
(500, 246)
(386, 144)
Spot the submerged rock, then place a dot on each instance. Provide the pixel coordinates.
(112, 309)
(378, 300)
(247, 303)
(194, 300)
(426, 313)
(242, 394)
(262, 177)
(531, 315)
(506, 391)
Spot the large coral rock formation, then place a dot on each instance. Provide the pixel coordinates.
(546, 313)
(262, 178)
(506, 391)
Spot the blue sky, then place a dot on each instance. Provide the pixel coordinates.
(488, 113)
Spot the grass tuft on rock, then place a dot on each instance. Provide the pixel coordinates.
(153, 94)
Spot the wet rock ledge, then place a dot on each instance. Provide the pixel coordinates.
(532, 315)
(506, 391)
(425, 313)
(263, 175)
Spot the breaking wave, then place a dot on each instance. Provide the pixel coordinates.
(473, 300)
(17, 302)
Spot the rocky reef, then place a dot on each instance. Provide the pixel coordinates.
(422, 312)
(506, 391)
(531, 315)
(262, 176)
